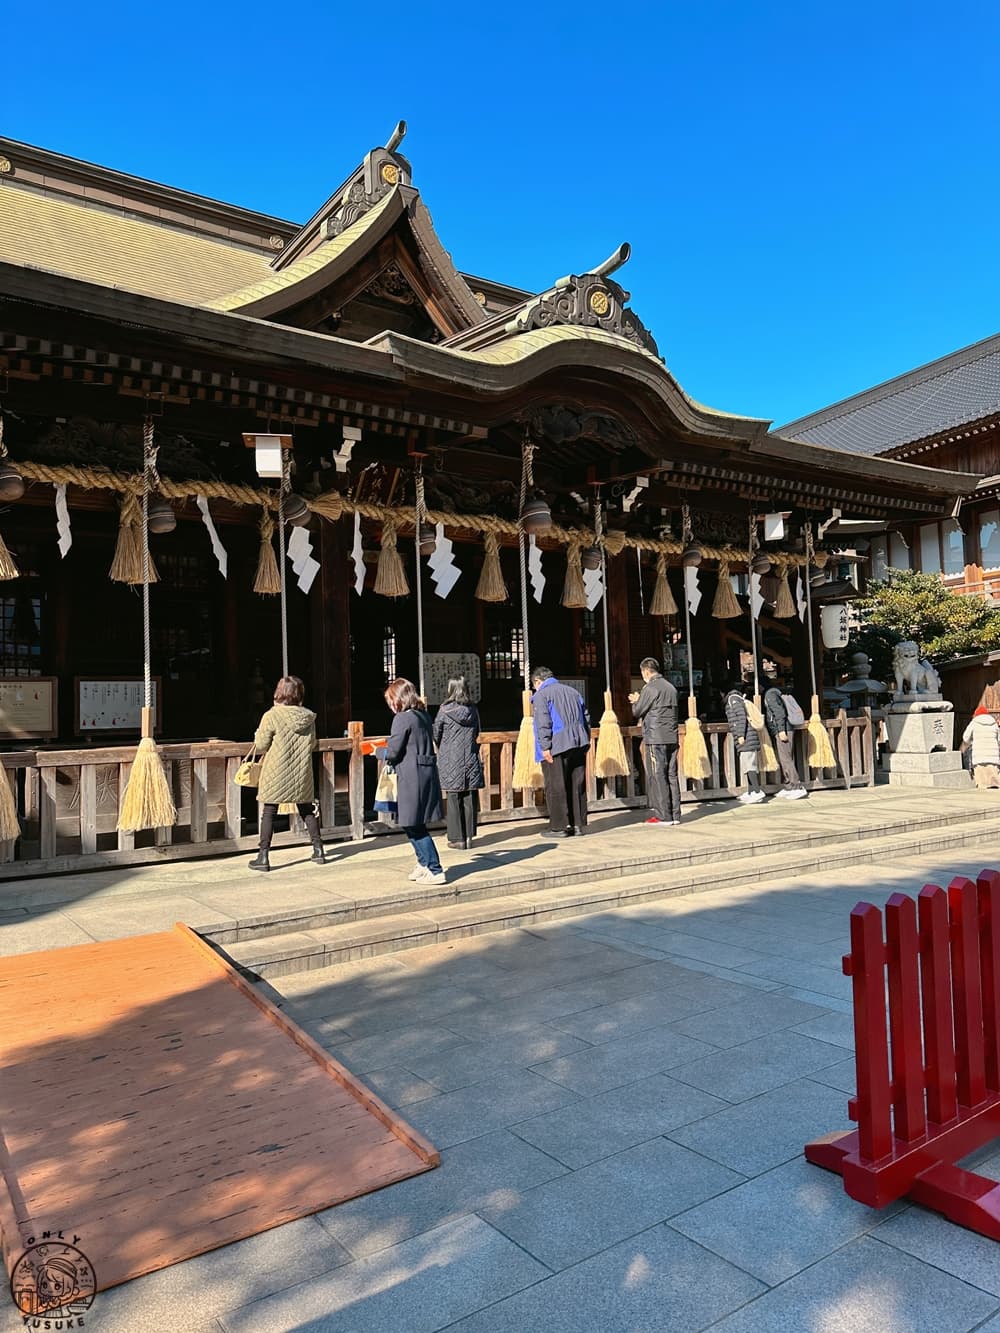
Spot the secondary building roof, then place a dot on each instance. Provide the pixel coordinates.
(923, 403)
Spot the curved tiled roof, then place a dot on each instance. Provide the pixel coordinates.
(253, 297)
(97, 245)
(940, 396)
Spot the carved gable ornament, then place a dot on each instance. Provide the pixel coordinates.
(592, 300)
(382, 170)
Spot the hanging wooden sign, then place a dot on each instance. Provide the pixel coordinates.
(112, 703)
(28, 707)
(439, 668)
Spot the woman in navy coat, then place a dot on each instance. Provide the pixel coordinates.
(410, 751)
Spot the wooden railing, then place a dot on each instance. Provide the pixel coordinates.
(68, 800)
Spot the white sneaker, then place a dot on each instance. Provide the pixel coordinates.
(799, 794)
(757, 796)
(418, 873)
(783, 794)
(746, 797)
(428, 878)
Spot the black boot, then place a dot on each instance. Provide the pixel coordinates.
(260, 862)
(318, 857)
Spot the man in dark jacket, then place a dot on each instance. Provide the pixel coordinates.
(747, 743)
(656, 706)
(776, 717)
(562, 741)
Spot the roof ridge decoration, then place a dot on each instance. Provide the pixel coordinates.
(590, 299)
(380, 172)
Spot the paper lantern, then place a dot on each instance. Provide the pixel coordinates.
(835, 625)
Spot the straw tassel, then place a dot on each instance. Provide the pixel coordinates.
(725, 605)
(8, 567)
(147, 802)
(610, 761)
(662, 603)
(768, 761)
(268, 580)
(614, 541)
(574, 593)
(819, 750)
(694, 752)
(784, 606)
(10, 828)
(491, 587)
(126, 567)
(527, 769)
(390, 576)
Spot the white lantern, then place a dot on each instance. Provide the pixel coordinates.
(835, 625)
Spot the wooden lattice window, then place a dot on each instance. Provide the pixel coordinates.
(587, 646)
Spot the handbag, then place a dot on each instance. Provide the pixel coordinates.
(386, 792)
(248, 773)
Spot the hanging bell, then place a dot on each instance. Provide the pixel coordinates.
(428, 539)
(536, 516)
(760, 564)
(590, 558)
(691, 556)
(769, 585)
(297, 512)
(11, 482)
(817, 580)
(161, 516)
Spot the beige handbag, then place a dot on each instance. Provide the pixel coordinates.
(248, 773)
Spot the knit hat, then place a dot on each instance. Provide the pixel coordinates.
(982, 712)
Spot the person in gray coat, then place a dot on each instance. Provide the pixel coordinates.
(747, 742)
(655, 705)
(460, 767)
(776, 717)
(410, 751)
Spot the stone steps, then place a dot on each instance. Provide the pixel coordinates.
(663, 851)
(311, 938)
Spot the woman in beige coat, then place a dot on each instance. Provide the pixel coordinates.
(287, 738)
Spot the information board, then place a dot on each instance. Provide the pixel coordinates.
(28, 707)
(113, 703)
(439, 668)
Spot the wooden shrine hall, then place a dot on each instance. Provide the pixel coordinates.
(355, 341)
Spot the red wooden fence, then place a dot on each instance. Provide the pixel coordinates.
(928, 1061)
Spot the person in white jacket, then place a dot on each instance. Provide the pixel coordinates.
(983, 735)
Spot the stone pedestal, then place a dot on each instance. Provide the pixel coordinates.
(921, 739)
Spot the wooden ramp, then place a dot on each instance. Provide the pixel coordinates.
(155, 1105)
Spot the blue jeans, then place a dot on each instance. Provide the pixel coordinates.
(423, 848)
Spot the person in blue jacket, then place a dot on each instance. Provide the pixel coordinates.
(562, 740)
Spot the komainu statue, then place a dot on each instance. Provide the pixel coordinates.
(913, 674)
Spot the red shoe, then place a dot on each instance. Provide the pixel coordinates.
(653, 820)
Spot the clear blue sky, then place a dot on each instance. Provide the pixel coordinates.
(811, 191)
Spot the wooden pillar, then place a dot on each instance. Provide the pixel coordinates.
(331, 631)
(622, 669)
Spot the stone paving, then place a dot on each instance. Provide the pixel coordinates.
(621, 1102)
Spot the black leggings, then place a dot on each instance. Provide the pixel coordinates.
(267, 813)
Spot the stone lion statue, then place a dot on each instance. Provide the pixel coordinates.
(913, 674)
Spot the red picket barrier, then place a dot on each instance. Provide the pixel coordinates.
(927, 1052)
